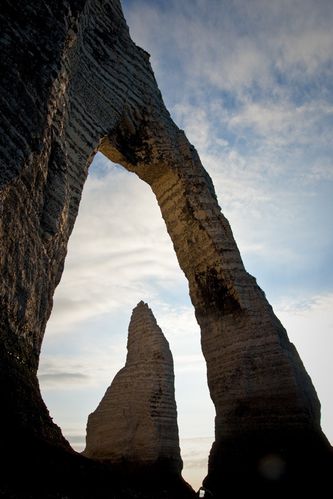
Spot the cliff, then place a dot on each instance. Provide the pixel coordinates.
(72, 83)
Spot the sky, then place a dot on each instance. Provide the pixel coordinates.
(250, 82)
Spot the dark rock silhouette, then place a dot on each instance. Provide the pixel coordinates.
(72, 82)
(136, 421)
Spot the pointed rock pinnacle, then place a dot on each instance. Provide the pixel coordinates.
(136, 421)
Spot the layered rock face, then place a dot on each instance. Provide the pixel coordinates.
(136, 421)
(72, 82)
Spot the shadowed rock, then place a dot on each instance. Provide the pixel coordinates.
(136, 421)
(72, 83)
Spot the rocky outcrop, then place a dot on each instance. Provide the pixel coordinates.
(72, 82)
(136, 421)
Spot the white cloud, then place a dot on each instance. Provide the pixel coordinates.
(48, 379)
(306, 51)
(196, 122)
(250, 84)
(268, 182)
(235, 45)
(284, 123)
(83, 360)
(119, 252)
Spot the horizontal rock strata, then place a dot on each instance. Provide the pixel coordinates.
(136, 421)
(73, 82)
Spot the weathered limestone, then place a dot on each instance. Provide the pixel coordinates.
(136, 421)
(72, 82)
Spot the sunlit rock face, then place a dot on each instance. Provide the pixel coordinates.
(73, 82)
(136, 421)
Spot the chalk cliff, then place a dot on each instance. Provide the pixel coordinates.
(136, 421)
(72, 83)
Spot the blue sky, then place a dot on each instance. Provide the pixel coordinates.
(250, 82)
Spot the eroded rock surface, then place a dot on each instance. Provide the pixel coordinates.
(136, 421)
(73, 82)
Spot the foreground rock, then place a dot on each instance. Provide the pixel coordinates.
(136, 421)
(72, 83)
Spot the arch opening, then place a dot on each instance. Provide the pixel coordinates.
(94, 83)
(119, 253)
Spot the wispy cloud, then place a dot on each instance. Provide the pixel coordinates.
(284, 123)
(62, 377)
(254, 77)
(251, 84)
(119, 252)
(236, 45)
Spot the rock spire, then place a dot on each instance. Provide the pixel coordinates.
(136, 421)
(74, 83)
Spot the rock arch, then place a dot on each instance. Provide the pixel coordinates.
(75, 83)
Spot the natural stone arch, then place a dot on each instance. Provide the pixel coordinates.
(75, 83)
